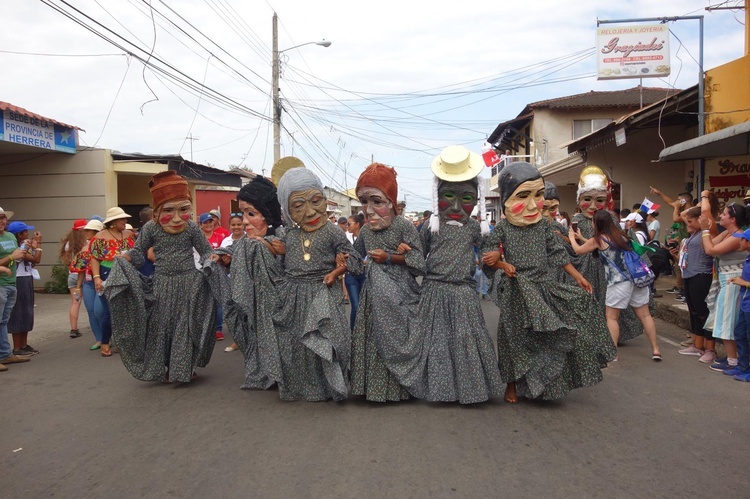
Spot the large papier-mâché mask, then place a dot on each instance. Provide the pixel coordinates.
(379, 210)
(592, 201)
(456, 200)
(254, 221)
(173, 216)
(524, 206)
(307, 209)
(550, 209)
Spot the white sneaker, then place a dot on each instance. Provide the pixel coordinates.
(691, 350)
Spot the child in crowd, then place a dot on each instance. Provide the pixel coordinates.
(742, 329)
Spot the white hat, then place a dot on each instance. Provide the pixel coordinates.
(128, 227)
(456, 164)
(94, 225)
(633, 217)
(8, 214)
(115, 213)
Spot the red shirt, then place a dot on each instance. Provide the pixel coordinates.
(215, 239)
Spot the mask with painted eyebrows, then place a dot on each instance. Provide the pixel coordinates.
(379, 210)
(524, 206)
(456, 200)
(307, 209)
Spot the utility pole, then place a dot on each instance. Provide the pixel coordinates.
(275, 96)
(191, 139)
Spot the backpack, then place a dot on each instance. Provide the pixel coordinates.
(638, 272)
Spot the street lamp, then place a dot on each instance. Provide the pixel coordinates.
(275, 83)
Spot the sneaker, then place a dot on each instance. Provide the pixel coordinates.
(734, 371)
(30, 349)
(219, 336)
(742, 377)
(691, 350)
(687, 343)
(721, 359)
(708, 358)
(680, 298)
(74, 333)
(658, 295)
(719, 367)
(22, 353)
(14, 359)
(674, 291)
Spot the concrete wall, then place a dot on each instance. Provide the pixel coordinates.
(224, 201)
(52, 190)
(728, 94)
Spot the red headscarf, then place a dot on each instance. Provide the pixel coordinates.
(381, 177)
(168, 186)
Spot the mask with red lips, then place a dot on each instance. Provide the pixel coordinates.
(591, 202)
(173, 216)
(456, 200)
(307, 209)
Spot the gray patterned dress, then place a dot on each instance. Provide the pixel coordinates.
(166, 320)
(592, 268)
(461, 362)
(249, 310)
(387, 346)
(311, 324)
(549, 332)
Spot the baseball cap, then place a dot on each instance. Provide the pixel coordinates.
(215, 213)
(79, 224)
(18, 227)
(205, 217)
(633, 217)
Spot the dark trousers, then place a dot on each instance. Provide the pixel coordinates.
(696, 291)
(742, 337)
(353, 287)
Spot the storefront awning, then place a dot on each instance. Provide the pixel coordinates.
(731, 141)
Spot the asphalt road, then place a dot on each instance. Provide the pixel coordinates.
(75, 424)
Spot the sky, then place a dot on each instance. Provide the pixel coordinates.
(400, 81)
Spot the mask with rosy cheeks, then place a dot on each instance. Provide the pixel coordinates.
(456, 200)
(174, 216)
(591, 202)
(551, 206)
(524, 207)
(308, 209)
(255, 223)
(379, 210)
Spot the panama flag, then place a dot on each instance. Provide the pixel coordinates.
(648, 206)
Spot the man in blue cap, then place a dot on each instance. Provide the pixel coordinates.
(9, 254)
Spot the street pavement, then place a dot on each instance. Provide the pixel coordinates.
(75, 424)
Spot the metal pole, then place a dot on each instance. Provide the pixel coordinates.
(275, 95)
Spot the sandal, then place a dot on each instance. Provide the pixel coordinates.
(656, 357)
(74, 333)
(106, 352)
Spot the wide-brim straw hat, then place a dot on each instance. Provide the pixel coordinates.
(8, 214)
(456, 164)
(747, 197)
(94, 225)
(115, 213)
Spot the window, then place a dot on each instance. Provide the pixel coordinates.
(585, 127)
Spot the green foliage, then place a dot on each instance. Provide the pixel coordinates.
(59, 282)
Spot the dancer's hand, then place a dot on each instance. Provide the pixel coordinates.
(403, 248)
(378, 255)
(329, 279)
(584, 284)
(278, 247)
(509, 269)
(341, 259)
(491, 258)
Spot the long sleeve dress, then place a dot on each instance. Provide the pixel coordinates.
(550, 334)
(592, 269)
(249, 311)
(311, 324)
(461, 362)
(387, 345)
(166, 319)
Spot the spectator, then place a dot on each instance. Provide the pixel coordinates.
(111, 242)
(237, 229)
(741, 330)
(612, 242)
(425, 216)
(10, 253)
(564, 219)
(400, 207)
(354, 282)
(72, 243)
(81, 264)
(654, 227)
(342, 223)
(624, 213)
(22, 317)
(147, 269)
(636, 227)
(207, 226)
(217, 224)
(723, 305)
(697, 272)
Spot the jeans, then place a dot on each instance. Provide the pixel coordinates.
(353, 287)
(742, 336)
(219, 317)
(101, 310)
(90, 299)
(7, 301)
(481, 280)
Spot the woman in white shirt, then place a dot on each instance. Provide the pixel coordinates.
(236, 229)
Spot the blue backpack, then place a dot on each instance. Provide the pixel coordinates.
(638, 272)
